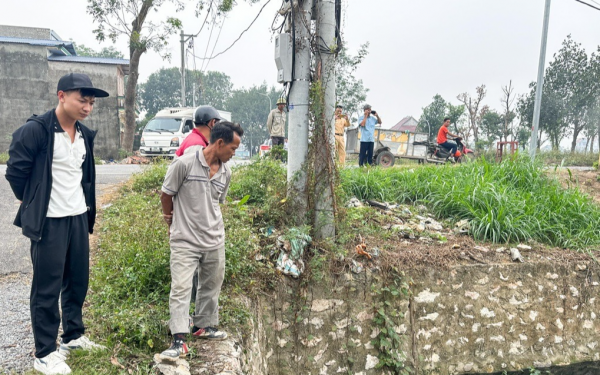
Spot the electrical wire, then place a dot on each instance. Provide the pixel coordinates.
(290, 84)
(595, 2)
(238, 38)
(590, 5)
(205, 18)
(215, 45)
(280, 27)
(208, 43)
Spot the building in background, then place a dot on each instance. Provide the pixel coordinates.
(31, 62)
(407, 124)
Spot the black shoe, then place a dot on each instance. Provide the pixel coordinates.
(178, 349)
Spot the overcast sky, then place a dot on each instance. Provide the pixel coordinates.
(417, 48)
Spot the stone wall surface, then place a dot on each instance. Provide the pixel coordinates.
(469, 319)
(23, 87)
(28, 86)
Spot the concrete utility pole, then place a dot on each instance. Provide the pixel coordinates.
(184, 38)
(298, 106)
(540, 84)
(324, 220)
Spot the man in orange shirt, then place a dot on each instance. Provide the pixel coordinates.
(442, 138)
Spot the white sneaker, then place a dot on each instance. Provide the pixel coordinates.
(53, 363)
(82, 343)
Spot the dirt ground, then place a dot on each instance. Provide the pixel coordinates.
(423, 251)
(587, 181)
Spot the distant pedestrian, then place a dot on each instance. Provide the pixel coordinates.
(276, 124)
(194, 186)
(367, 135)
(51, 171)
(341, 123)
(205, 118)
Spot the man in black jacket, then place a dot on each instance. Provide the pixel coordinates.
(51, 171)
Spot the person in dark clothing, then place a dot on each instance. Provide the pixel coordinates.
(51, 172)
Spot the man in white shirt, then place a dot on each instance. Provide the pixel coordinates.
(51, 171)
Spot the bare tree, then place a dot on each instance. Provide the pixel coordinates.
(507, 105)
(472, 106)
(129, 18)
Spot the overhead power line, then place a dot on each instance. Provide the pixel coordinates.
(590, 5)
(238, 38)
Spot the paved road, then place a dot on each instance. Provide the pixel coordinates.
(16, 340)
(14, 247)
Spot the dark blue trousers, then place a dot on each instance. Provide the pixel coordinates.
(365, 154)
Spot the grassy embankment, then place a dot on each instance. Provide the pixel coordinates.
(128, 309)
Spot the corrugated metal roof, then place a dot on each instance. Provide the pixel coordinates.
(88, 59)
(41, 42)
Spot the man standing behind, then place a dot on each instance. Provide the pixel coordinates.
(341, 122)
(205, 118)
(194, 186)
(367, 131)
(276, 124)
(51, 171)
(442, 138)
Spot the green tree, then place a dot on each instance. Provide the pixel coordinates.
(552, 121)
(569, 77)
(111, 52)
(433, 116)
(250, 108)
(456, 114)
(472, 105)
(128, 18)
(351, 92)
(163, 89)
(491, 126)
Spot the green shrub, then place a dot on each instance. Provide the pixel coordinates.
(3, 157)
(264, 181)
(152, 177)
(131, 278)
(566, 158)
(507, 202)
(277, 153)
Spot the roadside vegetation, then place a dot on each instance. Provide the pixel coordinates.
(130, 281)
(513, 201)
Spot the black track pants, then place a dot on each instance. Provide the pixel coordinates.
(60, 268)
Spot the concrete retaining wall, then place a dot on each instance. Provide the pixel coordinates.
(467, 319)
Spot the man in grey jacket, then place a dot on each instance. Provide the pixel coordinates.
(276, 124)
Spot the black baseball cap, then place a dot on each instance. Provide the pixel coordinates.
(76, 81)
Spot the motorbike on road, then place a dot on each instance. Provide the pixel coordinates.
(440, 155)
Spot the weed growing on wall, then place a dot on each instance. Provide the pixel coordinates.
(386, 316)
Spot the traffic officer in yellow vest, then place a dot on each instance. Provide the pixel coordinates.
(276, 123)
(341, 123)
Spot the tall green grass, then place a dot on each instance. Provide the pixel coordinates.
(130, 281)
(507, 202)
